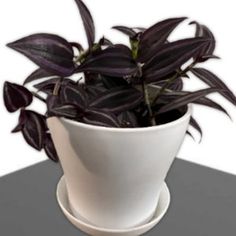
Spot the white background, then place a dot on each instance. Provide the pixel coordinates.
(24, 17)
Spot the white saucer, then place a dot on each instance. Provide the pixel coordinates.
(162, 207)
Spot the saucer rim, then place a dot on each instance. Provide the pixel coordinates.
(106, 230)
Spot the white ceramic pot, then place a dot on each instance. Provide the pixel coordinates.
(114, 176)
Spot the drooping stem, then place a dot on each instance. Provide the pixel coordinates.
(38, 97)
(171, 80)
(147, 102)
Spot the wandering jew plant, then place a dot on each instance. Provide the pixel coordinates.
(121, 86)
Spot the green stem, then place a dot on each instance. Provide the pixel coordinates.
(134, 47)
(147, 102)
(84, 54)
(172, 79)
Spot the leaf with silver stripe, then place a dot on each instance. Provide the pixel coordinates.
(34, 129)
(100, 118)
(117, 100)
(16, 96)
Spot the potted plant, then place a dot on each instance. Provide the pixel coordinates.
(117, 129)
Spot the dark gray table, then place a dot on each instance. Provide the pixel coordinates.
(203, 203)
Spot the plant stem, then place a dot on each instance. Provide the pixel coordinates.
(84, 54)
(38, 96)
(134, 46)
(147, 102)
(57, 87)
(172, 79)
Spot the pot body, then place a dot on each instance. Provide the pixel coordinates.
(114, 176)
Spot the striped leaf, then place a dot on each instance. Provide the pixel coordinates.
(213, 81)
(37, 74)
(16, 96)
(114, 61)
(186, 99)
(171, 57)
(170, 96)
(50, 52)
(50, 148)
(73, 94)
(87, 21)
(47, 86)
(66, 110)
(156, 36)
(34, 129)
(203, 31)
(100, 117)
(177, 85)
(118, 100)
(125, 30)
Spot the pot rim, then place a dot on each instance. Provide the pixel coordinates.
(129, 130)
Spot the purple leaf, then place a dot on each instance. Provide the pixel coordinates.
(50, 148)
(118, 50)
(156, 36)
(67, 110)
(33, 129)
(213, 81)
(16, 96)
(47, 86)
(92, 79)
(74, 94)
(118, 100)
(125, 30)
(171, 57)
(78, 46)
(37, 74)
(52, 101)
(50, 52)
(114, 61)
(17, 128)
(195, 125)
(207, 57)
(177, 85)
(186, 99)
(105, 42)
(21, 122)
(190, 134)
(128, 119)
(93, 91)
(112, 82)
(100, 118)
(140, 29)
(170, 96)
(209, 103)
(87, 21)
(203, 31)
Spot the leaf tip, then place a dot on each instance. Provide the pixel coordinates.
(200, 140)
(192, 23)
(183, 18)
(11, 45)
